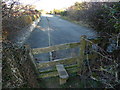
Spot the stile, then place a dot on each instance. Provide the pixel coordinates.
(75, 63)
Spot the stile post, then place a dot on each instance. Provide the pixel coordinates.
(82, 54)
(32, 58)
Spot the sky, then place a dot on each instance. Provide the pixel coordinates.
(58, 4)
(50, 4)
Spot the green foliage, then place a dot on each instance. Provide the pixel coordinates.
(34, 17)
(57, 11)
(63, 13)
(103, 17)
(80, 6)
(114, 12)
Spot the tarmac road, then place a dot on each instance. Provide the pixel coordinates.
(52, 30)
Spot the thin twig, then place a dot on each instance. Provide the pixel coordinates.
(102, 55)
(108, 84)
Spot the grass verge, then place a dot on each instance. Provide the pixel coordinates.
(73, 82)
(81, 23)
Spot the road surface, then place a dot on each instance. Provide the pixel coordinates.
(52, 30)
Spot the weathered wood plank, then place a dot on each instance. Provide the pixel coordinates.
(73, 70)
(64, 61)
(82, 53)
(54, 69)
(60, 47)
(32, 59)
(61, 71)
(55, 48)
(55, 73)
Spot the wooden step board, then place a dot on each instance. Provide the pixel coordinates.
(62, 73)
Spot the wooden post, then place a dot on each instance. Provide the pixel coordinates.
(32, 59)
(82, 54)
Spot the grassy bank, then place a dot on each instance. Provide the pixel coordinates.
(72, 82)
(12, 25)
(81, 23)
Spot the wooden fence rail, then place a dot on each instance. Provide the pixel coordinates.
(65, 61)
(59, 47)
(55, 48)
(59, 61)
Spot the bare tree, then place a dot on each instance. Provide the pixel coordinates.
(7, 8)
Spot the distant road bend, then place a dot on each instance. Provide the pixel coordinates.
(52, 30)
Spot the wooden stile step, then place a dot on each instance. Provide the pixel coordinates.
(62, 73)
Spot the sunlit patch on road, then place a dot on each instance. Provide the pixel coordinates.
(47, 15)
